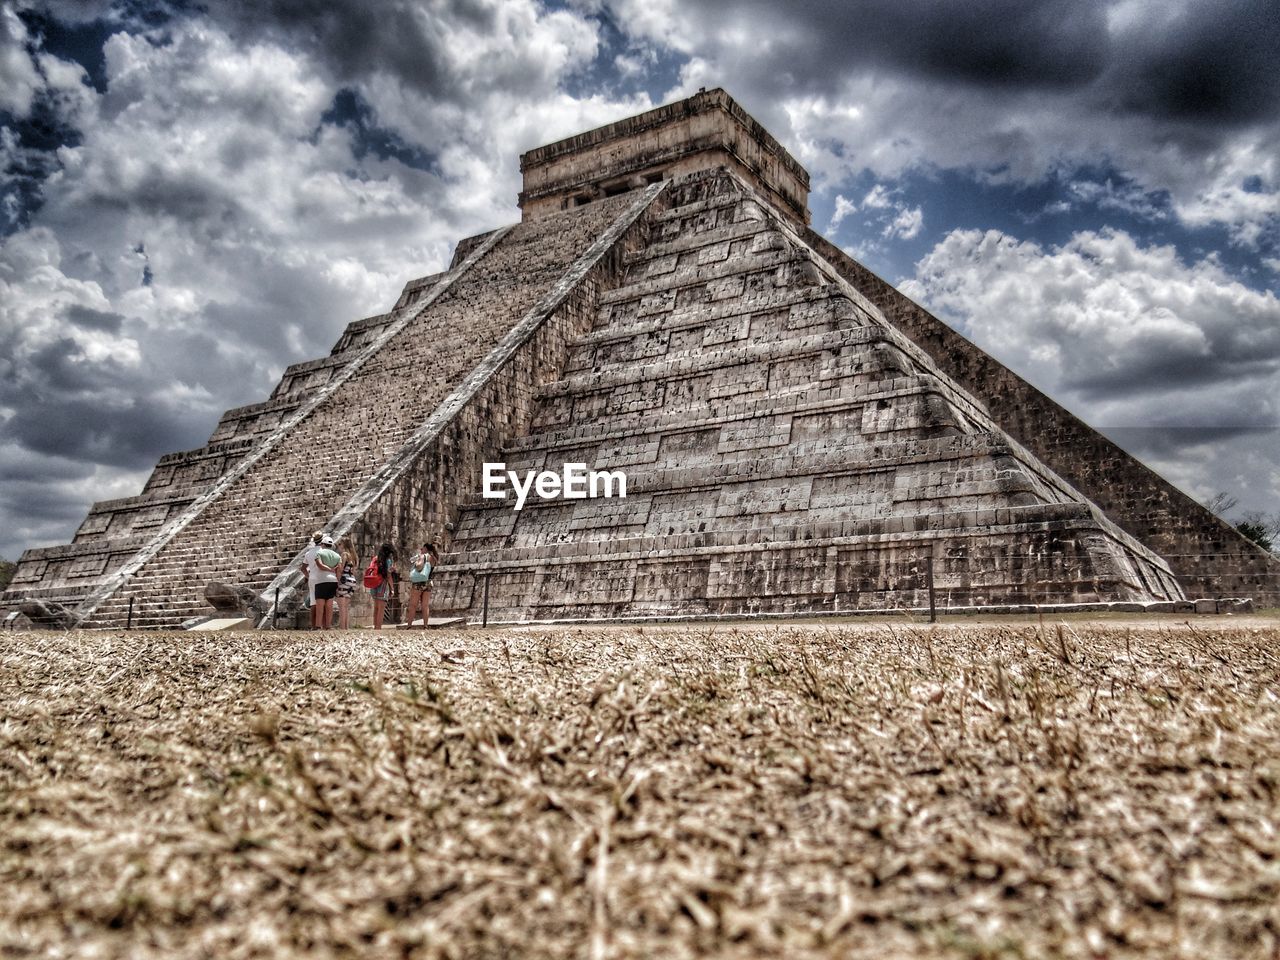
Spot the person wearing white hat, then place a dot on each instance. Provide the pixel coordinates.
(327, 561)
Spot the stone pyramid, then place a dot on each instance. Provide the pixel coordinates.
(797, 436)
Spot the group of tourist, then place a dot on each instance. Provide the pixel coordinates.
(330, 571)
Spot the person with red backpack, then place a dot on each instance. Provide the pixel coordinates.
(378, 577)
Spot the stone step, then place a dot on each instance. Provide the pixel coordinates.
(66, 595)
(81, 551)
(685, 243)
(665, 289)
(696, 361)
(416, 289)
(696, 207)
(358, 332)
(808, 535)
(134, 515)
(820, 457)
(308, 375)
(766, 324)
(799, 402)
(708, 315)
(201, 466)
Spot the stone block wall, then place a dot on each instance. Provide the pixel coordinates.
(786, 450)
(669, 142)
(1208, 556)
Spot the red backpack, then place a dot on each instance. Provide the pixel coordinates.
(372, 576)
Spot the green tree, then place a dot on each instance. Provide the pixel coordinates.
(6, 572)
(1262, 528)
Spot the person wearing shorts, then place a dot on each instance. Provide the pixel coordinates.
(420, 568)
(326, 564)
(346, 582)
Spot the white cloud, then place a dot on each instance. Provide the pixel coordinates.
(661, 21)
(36, 296)
(883, 208)
(844, 207)
(264, 229)
(877, 198)
(1126, 336)
(1124, 197)
(1102, 315)
(906, 225)
(19, 79)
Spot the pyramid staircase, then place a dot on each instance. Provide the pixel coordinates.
(328, 448)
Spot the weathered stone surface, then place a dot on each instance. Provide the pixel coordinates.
(47, 613)
(786, 450)
(797, 437)
(229, 599)
(706, 130)
(1208, 556)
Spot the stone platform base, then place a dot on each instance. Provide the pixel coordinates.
(1225, 606)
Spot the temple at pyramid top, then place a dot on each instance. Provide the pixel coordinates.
(706, 131)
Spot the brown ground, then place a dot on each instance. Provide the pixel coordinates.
(1104, 789)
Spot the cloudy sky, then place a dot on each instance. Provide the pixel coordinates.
(195, 194)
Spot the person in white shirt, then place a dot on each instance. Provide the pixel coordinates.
(327, 562)
(309, 572)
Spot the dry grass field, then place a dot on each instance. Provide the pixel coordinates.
(856, 790)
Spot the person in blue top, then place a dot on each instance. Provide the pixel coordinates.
(420, 567)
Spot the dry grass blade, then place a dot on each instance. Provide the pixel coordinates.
(852, 791)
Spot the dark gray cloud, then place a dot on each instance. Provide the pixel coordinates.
(1201, 61)
(96, 410)
(357, 39)
(86, 318)
(1211, 63)
(44, 506)
(1179, 97)
(1139, 372)
(811, 44)
(43, 499)
(1169, 442)
(132, 435)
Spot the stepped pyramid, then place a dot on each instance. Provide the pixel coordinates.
(797, 436)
